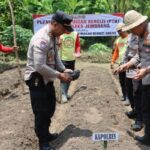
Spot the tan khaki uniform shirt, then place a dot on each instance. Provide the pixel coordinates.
(143, 54)
(43, 56)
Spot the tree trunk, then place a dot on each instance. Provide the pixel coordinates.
(15, 44)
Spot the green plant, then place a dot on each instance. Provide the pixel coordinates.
(99, 47)
(99, 53)
(23, 37)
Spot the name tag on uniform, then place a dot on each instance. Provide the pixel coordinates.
(112, 136)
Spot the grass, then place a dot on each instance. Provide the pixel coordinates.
(96, 58)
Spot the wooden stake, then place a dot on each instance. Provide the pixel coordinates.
(15, 44)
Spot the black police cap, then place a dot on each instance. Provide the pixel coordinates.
(63, 19)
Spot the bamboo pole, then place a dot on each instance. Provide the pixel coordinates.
(15, 44)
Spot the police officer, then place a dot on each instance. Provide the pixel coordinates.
(133, 86)
(43, 66)
(139, 26)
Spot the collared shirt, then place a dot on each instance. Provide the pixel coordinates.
(143, 54)
(132, 47)
(43, 56)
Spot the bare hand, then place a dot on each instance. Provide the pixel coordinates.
(116, 71)
(68, 71)
(140, 74)
(65, 77)
(77, 55)
(122, 68)
(15, 48)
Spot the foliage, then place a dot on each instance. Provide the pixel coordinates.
(99, 53)
(23, 38)
(82, 42)
(99, 47)
(24, 9)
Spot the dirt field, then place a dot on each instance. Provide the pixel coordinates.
(95, 109)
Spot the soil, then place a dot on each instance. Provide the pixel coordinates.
(95, 108)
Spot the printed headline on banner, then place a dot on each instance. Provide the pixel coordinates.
(86, 25)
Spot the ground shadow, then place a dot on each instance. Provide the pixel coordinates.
(79, 89)
(143, 147)
(69, 132)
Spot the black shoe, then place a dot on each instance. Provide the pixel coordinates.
(143, 140)
(137, 126)
(46, 146)
(52, 137)
(131, 114)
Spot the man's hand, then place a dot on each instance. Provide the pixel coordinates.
(122, 68)
(68, 71)
(15, 48)
(65, 77)
(140, 74)
(77, 55)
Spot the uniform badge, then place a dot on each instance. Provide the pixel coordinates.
(43, 45)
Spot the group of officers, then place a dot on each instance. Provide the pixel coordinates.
(44, 66)
(133, 50)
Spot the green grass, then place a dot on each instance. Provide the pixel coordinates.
(97, 53)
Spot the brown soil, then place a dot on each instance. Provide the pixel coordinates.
(95, 109)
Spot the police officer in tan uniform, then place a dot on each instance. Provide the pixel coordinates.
(133, 86)
(139, 26)
(43, 66)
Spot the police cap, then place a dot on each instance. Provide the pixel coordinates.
(63, 19)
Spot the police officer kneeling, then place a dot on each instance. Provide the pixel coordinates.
(43, 66)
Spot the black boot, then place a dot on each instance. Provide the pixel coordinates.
(52, 137)
(146, 138)
(137, 126)
(45, 146)
(131, 114)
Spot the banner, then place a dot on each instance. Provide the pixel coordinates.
(87, 25)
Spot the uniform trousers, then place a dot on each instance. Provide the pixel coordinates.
(43, 102)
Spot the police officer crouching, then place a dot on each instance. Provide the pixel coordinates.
(43, 66)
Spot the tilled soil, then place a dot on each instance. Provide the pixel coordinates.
(95, 109)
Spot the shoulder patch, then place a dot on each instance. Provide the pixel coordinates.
(43, 44)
